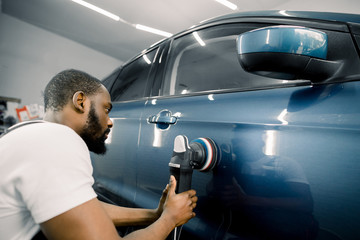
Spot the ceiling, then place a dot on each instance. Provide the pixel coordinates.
(120, 39)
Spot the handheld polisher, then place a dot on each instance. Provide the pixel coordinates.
(201, 154)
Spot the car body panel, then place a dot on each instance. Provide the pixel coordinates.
(111, 172)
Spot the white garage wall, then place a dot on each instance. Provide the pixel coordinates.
(31, 56)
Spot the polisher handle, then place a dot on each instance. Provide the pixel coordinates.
(185, 180)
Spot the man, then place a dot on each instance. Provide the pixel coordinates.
(46, 173)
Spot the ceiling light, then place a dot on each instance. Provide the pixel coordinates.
(147, 60)
(153, 30)
(227, 4)
(198, 38)
(283, 12)
(117, 18)
(97, 9)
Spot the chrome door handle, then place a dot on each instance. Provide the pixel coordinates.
(162, 117)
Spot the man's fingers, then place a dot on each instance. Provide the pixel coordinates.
(193, 205)
(172, 185)
(166, 190)
(191, 193)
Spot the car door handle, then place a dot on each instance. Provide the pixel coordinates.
(163, 117)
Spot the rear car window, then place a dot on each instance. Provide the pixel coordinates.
(109, 80)
(131, 83)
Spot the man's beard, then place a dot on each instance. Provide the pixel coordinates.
(92, 129)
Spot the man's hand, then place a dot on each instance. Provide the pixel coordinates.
(179, 207)
(160, 207)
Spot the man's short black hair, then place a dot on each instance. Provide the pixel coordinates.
(61, 88)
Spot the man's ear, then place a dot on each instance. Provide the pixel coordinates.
(79, 100)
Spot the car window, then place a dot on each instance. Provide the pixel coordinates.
(207, 60)
(109, 80)
(131, 83)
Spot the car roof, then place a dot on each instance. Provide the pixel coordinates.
(329, 16)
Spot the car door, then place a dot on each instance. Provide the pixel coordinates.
(115, 174)
(277, 141)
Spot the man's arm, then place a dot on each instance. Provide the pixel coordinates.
(90, 220)
(86, 221)
(122, 216)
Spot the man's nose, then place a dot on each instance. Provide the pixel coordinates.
(110, 123)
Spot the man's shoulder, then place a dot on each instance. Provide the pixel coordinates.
(53, 131)
(40, 130)
(41, 126)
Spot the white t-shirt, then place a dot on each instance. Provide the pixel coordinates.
(45, 170)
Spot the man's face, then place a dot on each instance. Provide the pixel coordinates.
(98, 124)
(91, 131)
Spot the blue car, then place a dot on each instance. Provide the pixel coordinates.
(271, 99)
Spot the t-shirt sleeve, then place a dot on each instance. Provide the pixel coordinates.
(59, 176)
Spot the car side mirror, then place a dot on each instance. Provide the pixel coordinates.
(286, 52)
